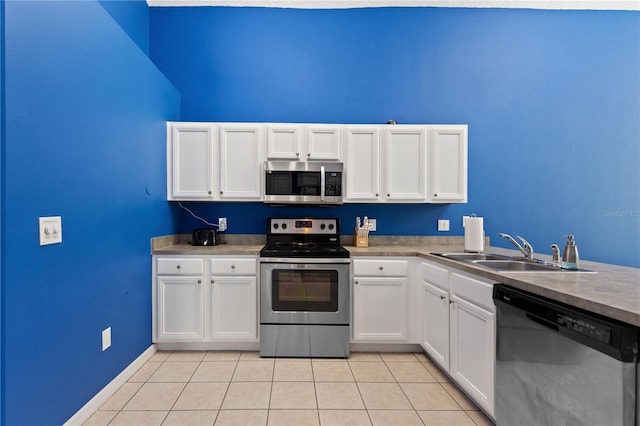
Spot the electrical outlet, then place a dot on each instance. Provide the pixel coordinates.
(443, 224)
(372, 224)
(464, 220)
(106, 338)
(222, 224)
(50, 230)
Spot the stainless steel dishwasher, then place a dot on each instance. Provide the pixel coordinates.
(560, 365)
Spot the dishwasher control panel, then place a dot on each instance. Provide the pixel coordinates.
(584, 326)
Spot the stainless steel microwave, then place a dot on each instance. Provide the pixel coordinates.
(299, 182)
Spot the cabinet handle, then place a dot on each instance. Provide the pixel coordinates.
(380, 267)
(199, 281)
(441, 297)
(357, 282)
(213, 281)
(209, 192)
(377, 194)
(388, 195)
(451, 302)
(221, 192)
(178, 266)
(233, 266)
(297, 154)
(309, 155)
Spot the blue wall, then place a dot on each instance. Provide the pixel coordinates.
(2, 227)
(133, 18)
(552, 99)
(85, 139)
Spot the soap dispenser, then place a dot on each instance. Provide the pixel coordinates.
(570, 254)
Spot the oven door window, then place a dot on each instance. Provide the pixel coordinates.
(308, 290)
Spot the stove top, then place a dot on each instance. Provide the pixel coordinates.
(304, 238)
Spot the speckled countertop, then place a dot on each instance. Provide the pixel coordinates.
(612, 291)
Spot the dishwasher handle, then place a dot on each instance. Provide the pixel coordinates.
(614, 338)
(542, 322)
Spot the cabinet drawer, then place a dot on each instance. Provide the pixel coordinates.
(380, 268)
(180, 266)
(233, 266)
(435, 275)
(473, 290)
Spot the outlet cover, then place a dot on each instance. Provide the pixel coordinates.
(443, 224)
(106, 338)
(372, 224)
(50, 230)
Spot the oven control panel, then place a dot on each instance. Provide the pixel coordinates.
(304, 226)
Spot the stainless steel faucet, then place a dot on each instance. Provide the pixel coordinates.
(527, 250)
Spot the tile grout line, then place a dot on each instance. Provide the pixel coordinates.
(415, 410)
(226, 392)
(360, 392)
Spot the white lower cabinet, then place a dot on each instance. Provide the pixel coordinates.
(380, 300)
(179, 308)
(186, 309)
(234, 299)
(458, 329)
(435, 333)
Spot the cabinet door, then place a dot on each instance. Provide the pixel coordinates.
(283, 143)
(405, 159)
(435, 323)
(362, 164)
(234, 308)
(240, 163)
(380, 309)
(449, 164)
(179, 308)
(189, 161)
(323, 143)
(473, 350)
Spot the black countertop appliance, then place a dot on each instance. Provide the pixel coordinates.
(204, 237)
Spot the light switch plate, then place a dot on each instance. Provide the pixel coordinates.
(50, 230)
(106, 338)
(443, 224)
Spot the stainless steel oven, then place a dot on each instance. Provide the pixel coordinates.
(304, 294)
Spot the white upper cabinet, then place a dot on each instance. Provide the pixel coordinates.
(405, 159)
(190, 150)
(448, 164)
(362, 164)
(303, 142)
(382, 163)
(284, 142)
(240, 162)
(323, 142)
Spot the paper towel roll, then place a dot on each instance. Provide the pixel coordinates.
(474, 234)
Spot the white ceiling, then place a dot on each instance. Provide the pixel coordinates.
(349, 4)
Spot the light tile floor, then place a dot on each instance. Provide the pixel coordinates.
(240, 388)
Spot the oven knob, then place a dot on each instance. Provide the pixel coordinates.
(284, 226)
(323, 226)
(331, 226)
(275, 226)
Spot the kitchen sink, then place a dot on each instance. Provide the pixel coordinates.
(473, 256)
(504, 263)
(516, 265)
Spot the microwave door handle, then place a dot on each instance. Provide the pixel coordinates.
(322, 184)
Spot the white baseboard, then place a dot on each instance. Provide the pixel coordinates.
(101, 397)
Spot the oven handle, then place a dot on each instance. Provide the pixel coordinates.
(303, 260)
(322, 184)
